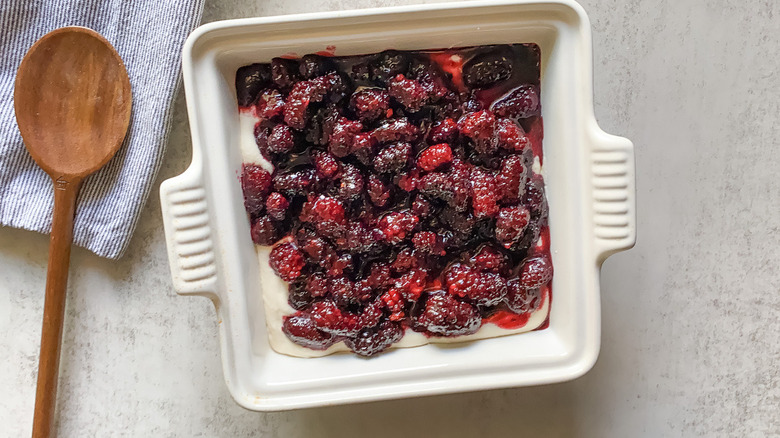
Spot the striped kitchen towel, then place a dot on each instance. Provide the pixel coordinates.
(148, 34)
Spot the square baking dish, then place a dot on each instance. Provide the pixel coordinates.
(589, 179)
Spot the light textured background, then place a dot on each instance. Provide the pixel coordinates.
(691, 325)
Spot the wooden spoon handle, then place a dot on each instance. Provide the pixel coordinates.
(66, 190)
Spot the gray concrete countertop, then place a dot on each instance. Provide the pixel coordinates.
(691, 315)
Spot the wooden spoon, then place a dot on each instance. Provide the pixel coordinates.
(72, 100)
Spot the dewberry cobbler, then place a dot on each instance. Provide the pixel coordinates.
(398, 195)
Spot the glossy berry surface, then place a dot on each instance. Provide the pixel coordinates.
(398, 191)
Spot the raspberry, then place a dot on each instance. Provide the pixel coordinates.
(535, 272)
(264, 232)
(270, 104)
(298, 297)
(327, 317)
(378, 191)
(281, 139)
(511, 179)
(255, 183)
(521, 103)
(487, 68)
(521, 300)
(412, 284)
(428, 242)
(395, 130)
(372, 313)
(511, 136)
(394, 303)
(483, 288)
(327, 209)
(480, 127)
(485, 193)
(294, 183)
(421, 207)
(489, 259)
(370, 104)
(286, 261)
(250, 80)
(343, 137)
(445, 131)
(397, 225)
(534, 197)
(435, 156)
(302, 330)
(351, 183)
(326, 164)
(317, 285)
(388, 64)
(408, 181)
(511, 224)
(460, 174)
(276, 206)
(408, 92)
(379, 275)
(284, 72)
(311, 66)
(405, 260)
(393, 158)
(370, 342)
(445, 315)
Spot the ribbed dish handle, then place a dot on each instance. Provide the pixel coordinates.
(614, 194)
(188, 233)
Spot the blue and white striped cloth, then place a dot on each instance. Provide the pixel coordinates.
(149, 35)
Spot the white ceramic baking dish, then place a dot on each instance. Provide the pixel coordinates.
(590, 187)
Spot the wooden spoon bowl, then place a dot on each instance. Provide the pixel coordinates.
(72, 100)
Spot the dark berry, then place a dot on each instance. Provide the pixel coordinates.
(281, 139)
(326, 164)
(487, 68)
(339, 265)
(511, 224)
(484, 192)
(330, 319)
(302, 330)
(480, 128)
(520, 299)
(256, 184)
(287, 261)
(343, 137)
(284, 72)
(511, 136)
(511, 180)
(408, 92)
(535, 271)
(489, 259)
(276, 206)
(323, 209)
(445, 131)
(421, 207)
(460, 222)
(521, 103)
(534, 196)
(294, 183)
(316, 248)
(250, 80)
(351, 183)
(318, 285)
(343, 291)
(378, 192)
(389, 64)
(298, 297)
(393, 158)
(264, 231)
(428, 242)
(370, 104)
(483, 288)
(370, 342)
(397, 225)
(363, 148)
(311, 66)
(405, 260)
(445, 315)
(437, 185)
(270, 104)
(395, 130)
(304, 93)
